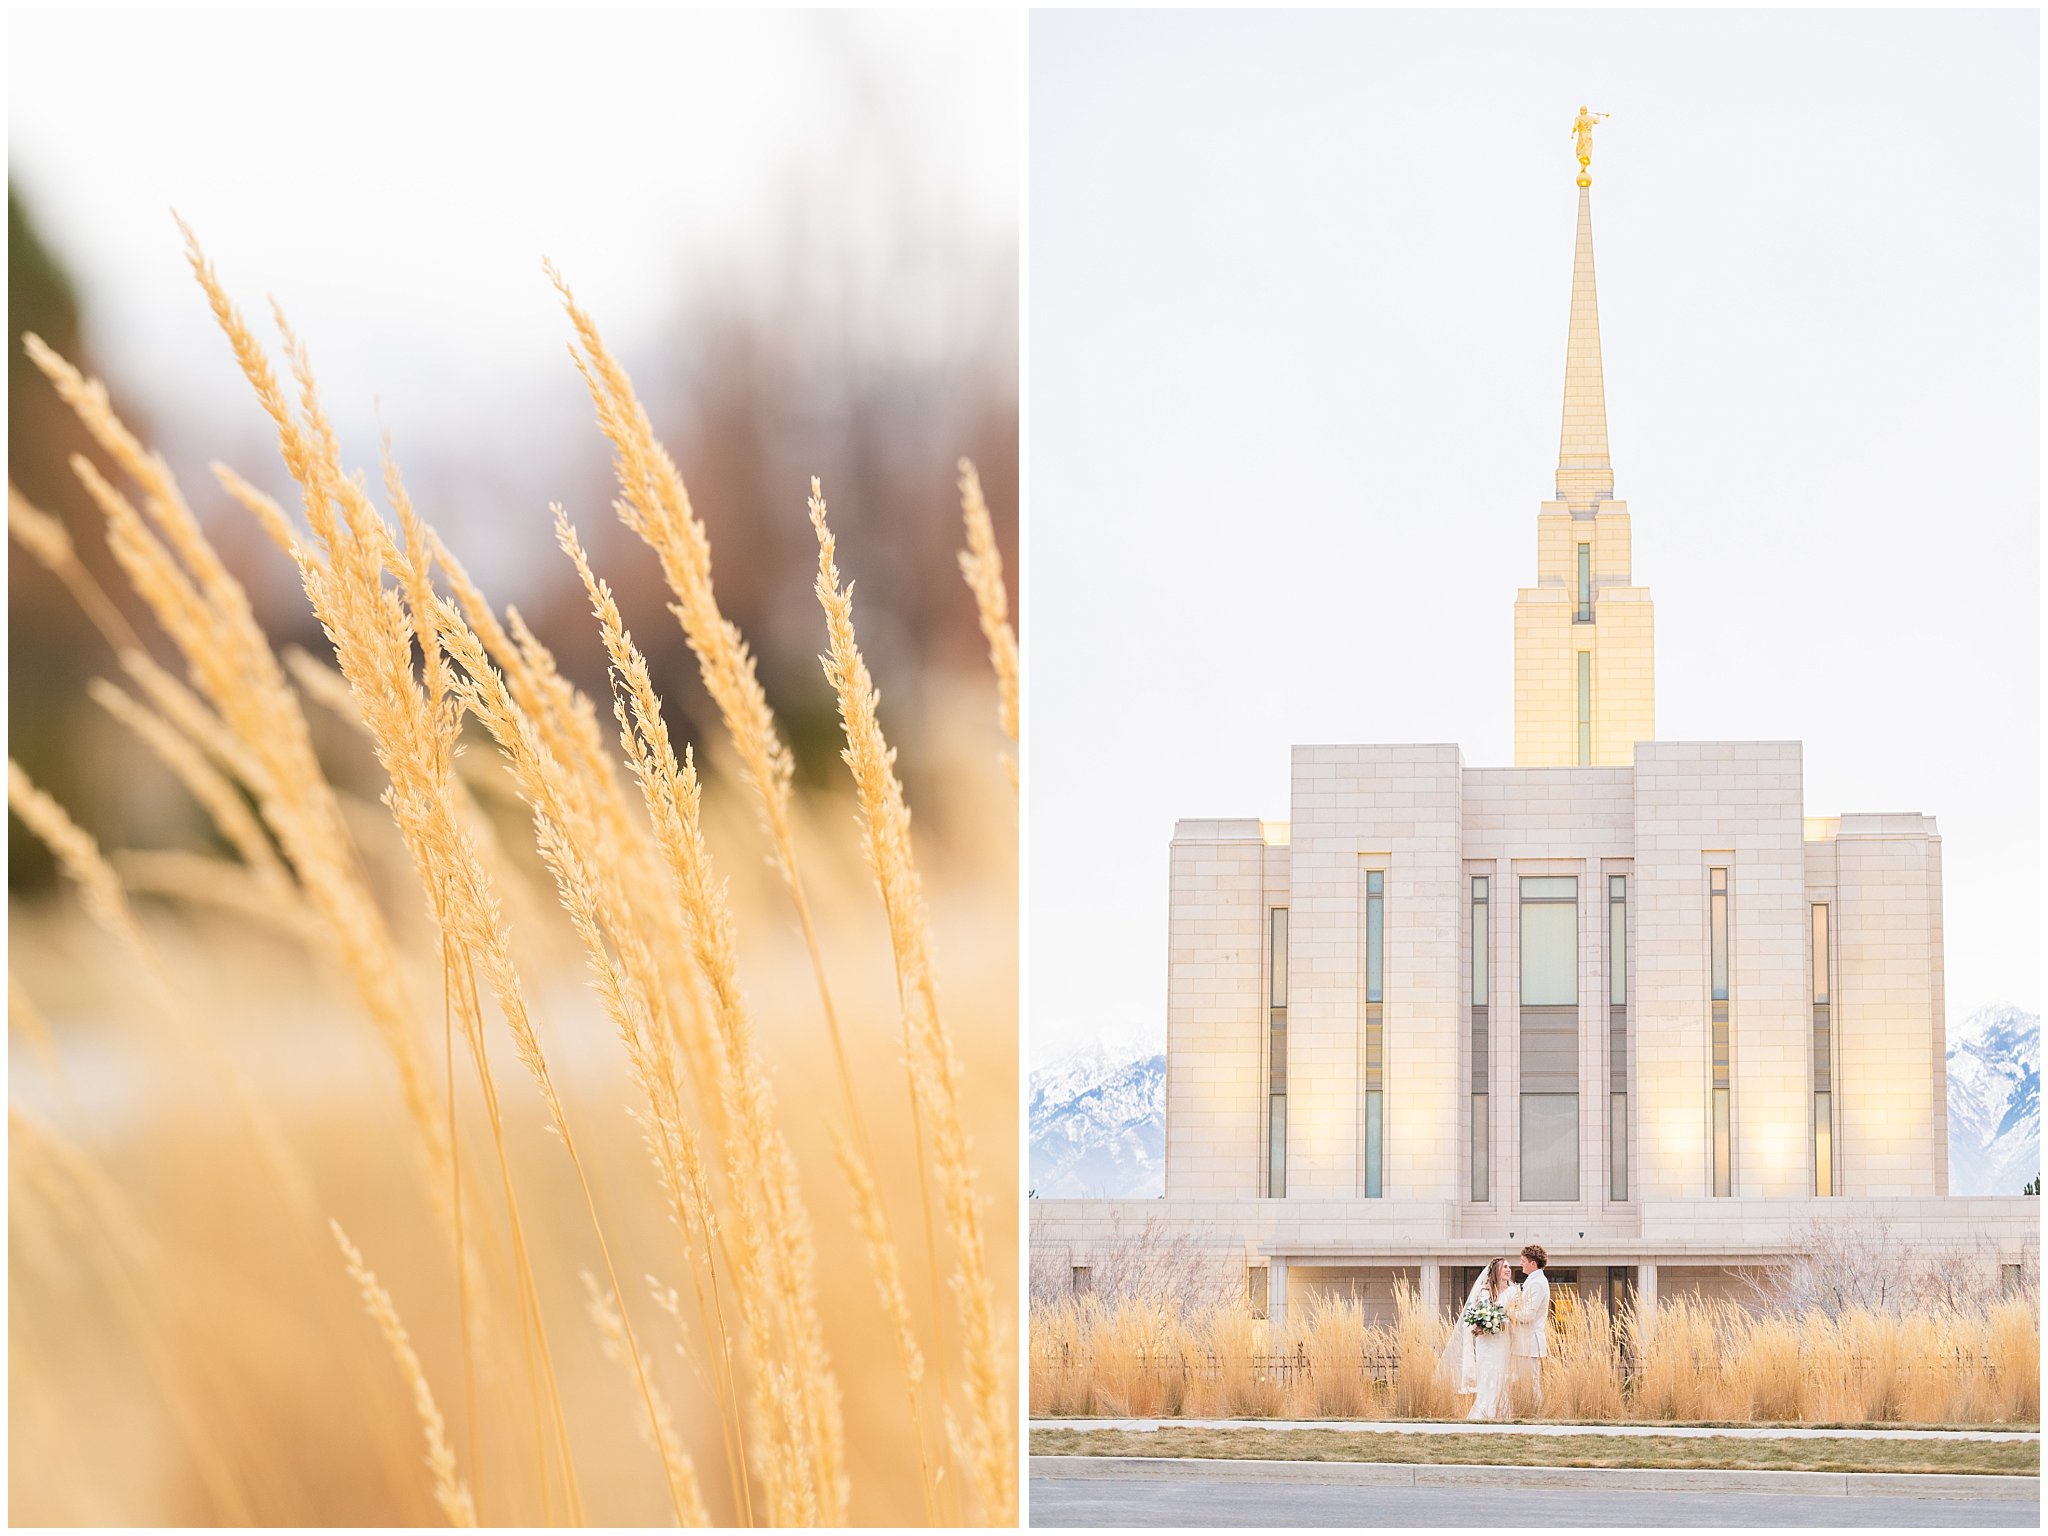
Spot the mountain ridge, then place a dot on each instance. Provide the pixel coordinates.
(1098, 1115)
(1098, 1126)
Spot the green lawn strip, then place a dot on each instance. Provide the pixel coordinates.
(1726, 1453)
(2026, 1427)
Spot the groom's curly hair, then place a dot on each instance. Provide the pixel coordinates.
(1535, 1255)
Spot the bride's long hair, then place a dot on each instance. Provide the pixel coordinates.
(1494, 1283)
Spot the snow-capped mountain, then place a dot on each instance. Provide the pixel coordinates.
(1098, 1126)
(1098, 1116)
(1994, 1102)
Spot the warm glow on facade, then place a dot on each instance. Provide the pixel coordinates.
(1624, 998)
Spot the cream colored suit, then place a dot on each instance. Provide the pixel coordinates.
(1529, 1319)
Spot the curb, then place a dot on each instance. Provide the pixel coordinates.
(1904, 1485)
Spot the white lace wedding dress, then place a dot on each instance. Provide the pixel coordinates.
(1491, 1364)
(1479, 1364)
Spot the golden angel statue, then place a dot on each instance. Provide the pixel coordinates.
(1582, 128)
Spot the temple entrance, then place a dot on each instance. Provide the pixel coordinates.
(1373, 1289)
(1608, 1286)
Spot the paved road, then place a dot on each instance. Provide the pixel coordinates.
(1154, 1501)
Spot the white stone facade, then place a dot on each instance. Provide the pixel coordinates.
(1432, 824)
(1340, 1104)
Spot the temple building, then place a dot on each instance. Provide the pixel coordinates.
(1625, 998)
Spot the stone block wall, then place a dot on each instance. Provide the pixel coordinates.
(1548, 638)
(1735, 804)
(1396, 808)
(1892, 1102)
(1215, 1009)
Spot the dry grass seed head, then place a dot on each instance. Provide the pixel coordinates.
(885, 828)
(450, 1491)
(982, 564)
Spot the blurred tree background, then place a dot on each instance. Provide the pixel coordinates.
(51, 648)
(785, 375)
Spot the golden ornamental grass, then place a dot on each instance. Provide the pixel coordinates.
(106, 900)
(250, 718)
(982, 564)
(733, 1376)
(934, 1069)
(449, 1490)
(1702, 1361)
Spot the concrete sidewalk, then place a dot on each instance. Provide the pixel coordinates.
(1532, 1427)
(1180, 1469)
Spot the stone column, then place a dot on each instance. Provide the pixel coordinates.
(1276, 1294)
(1646, 1298)
(1432, 1287)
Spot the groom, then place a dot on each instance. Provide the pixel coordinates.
(1530, 1315)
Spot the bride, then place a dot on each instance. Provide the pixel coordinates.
(1476, 1364)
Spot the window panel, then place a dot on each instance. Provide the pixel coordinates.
(1718, 1042)
(1617, 1037)
(1276, 1073)
(1550, 953)
(1718, 926)
(1723, 1172)
(1550, 1050)
(1481, 1038)
(1276, 1149)
(1823, 1144)
(1585, 614)
(1617, 941)
(1823, 1058)
(1585, 709)
(1373, 1130)
(1550, 1146)
(1617, 1145)
(1375, 934)
(1278, 963)
(1481, 1156)
(1480, 938)
(1820, 952)
(1372, 1044)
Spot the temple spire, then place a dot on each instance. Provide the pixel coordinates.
(1584, 475)
(1585, 643)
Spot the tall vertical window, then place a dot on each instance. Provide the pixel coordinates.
(1585, 709)
(1276, 1076)
(1717, 899)
(1617, 1036)
(1585, 613)
(1823, 1059)
(1550, 1037)
(1482, 1048)
(1372, 1062)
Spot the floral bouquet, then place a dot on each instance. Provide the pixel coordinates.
(1485, 1317)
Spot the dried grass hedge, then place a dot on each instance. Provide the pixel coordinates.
(1703, 1361)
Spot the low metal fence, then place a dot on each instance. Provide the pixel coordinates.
(1383, 1370)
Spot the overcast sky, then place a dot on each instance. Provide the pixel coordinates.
(431, 157)
(1298, 291)
(394, 178)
